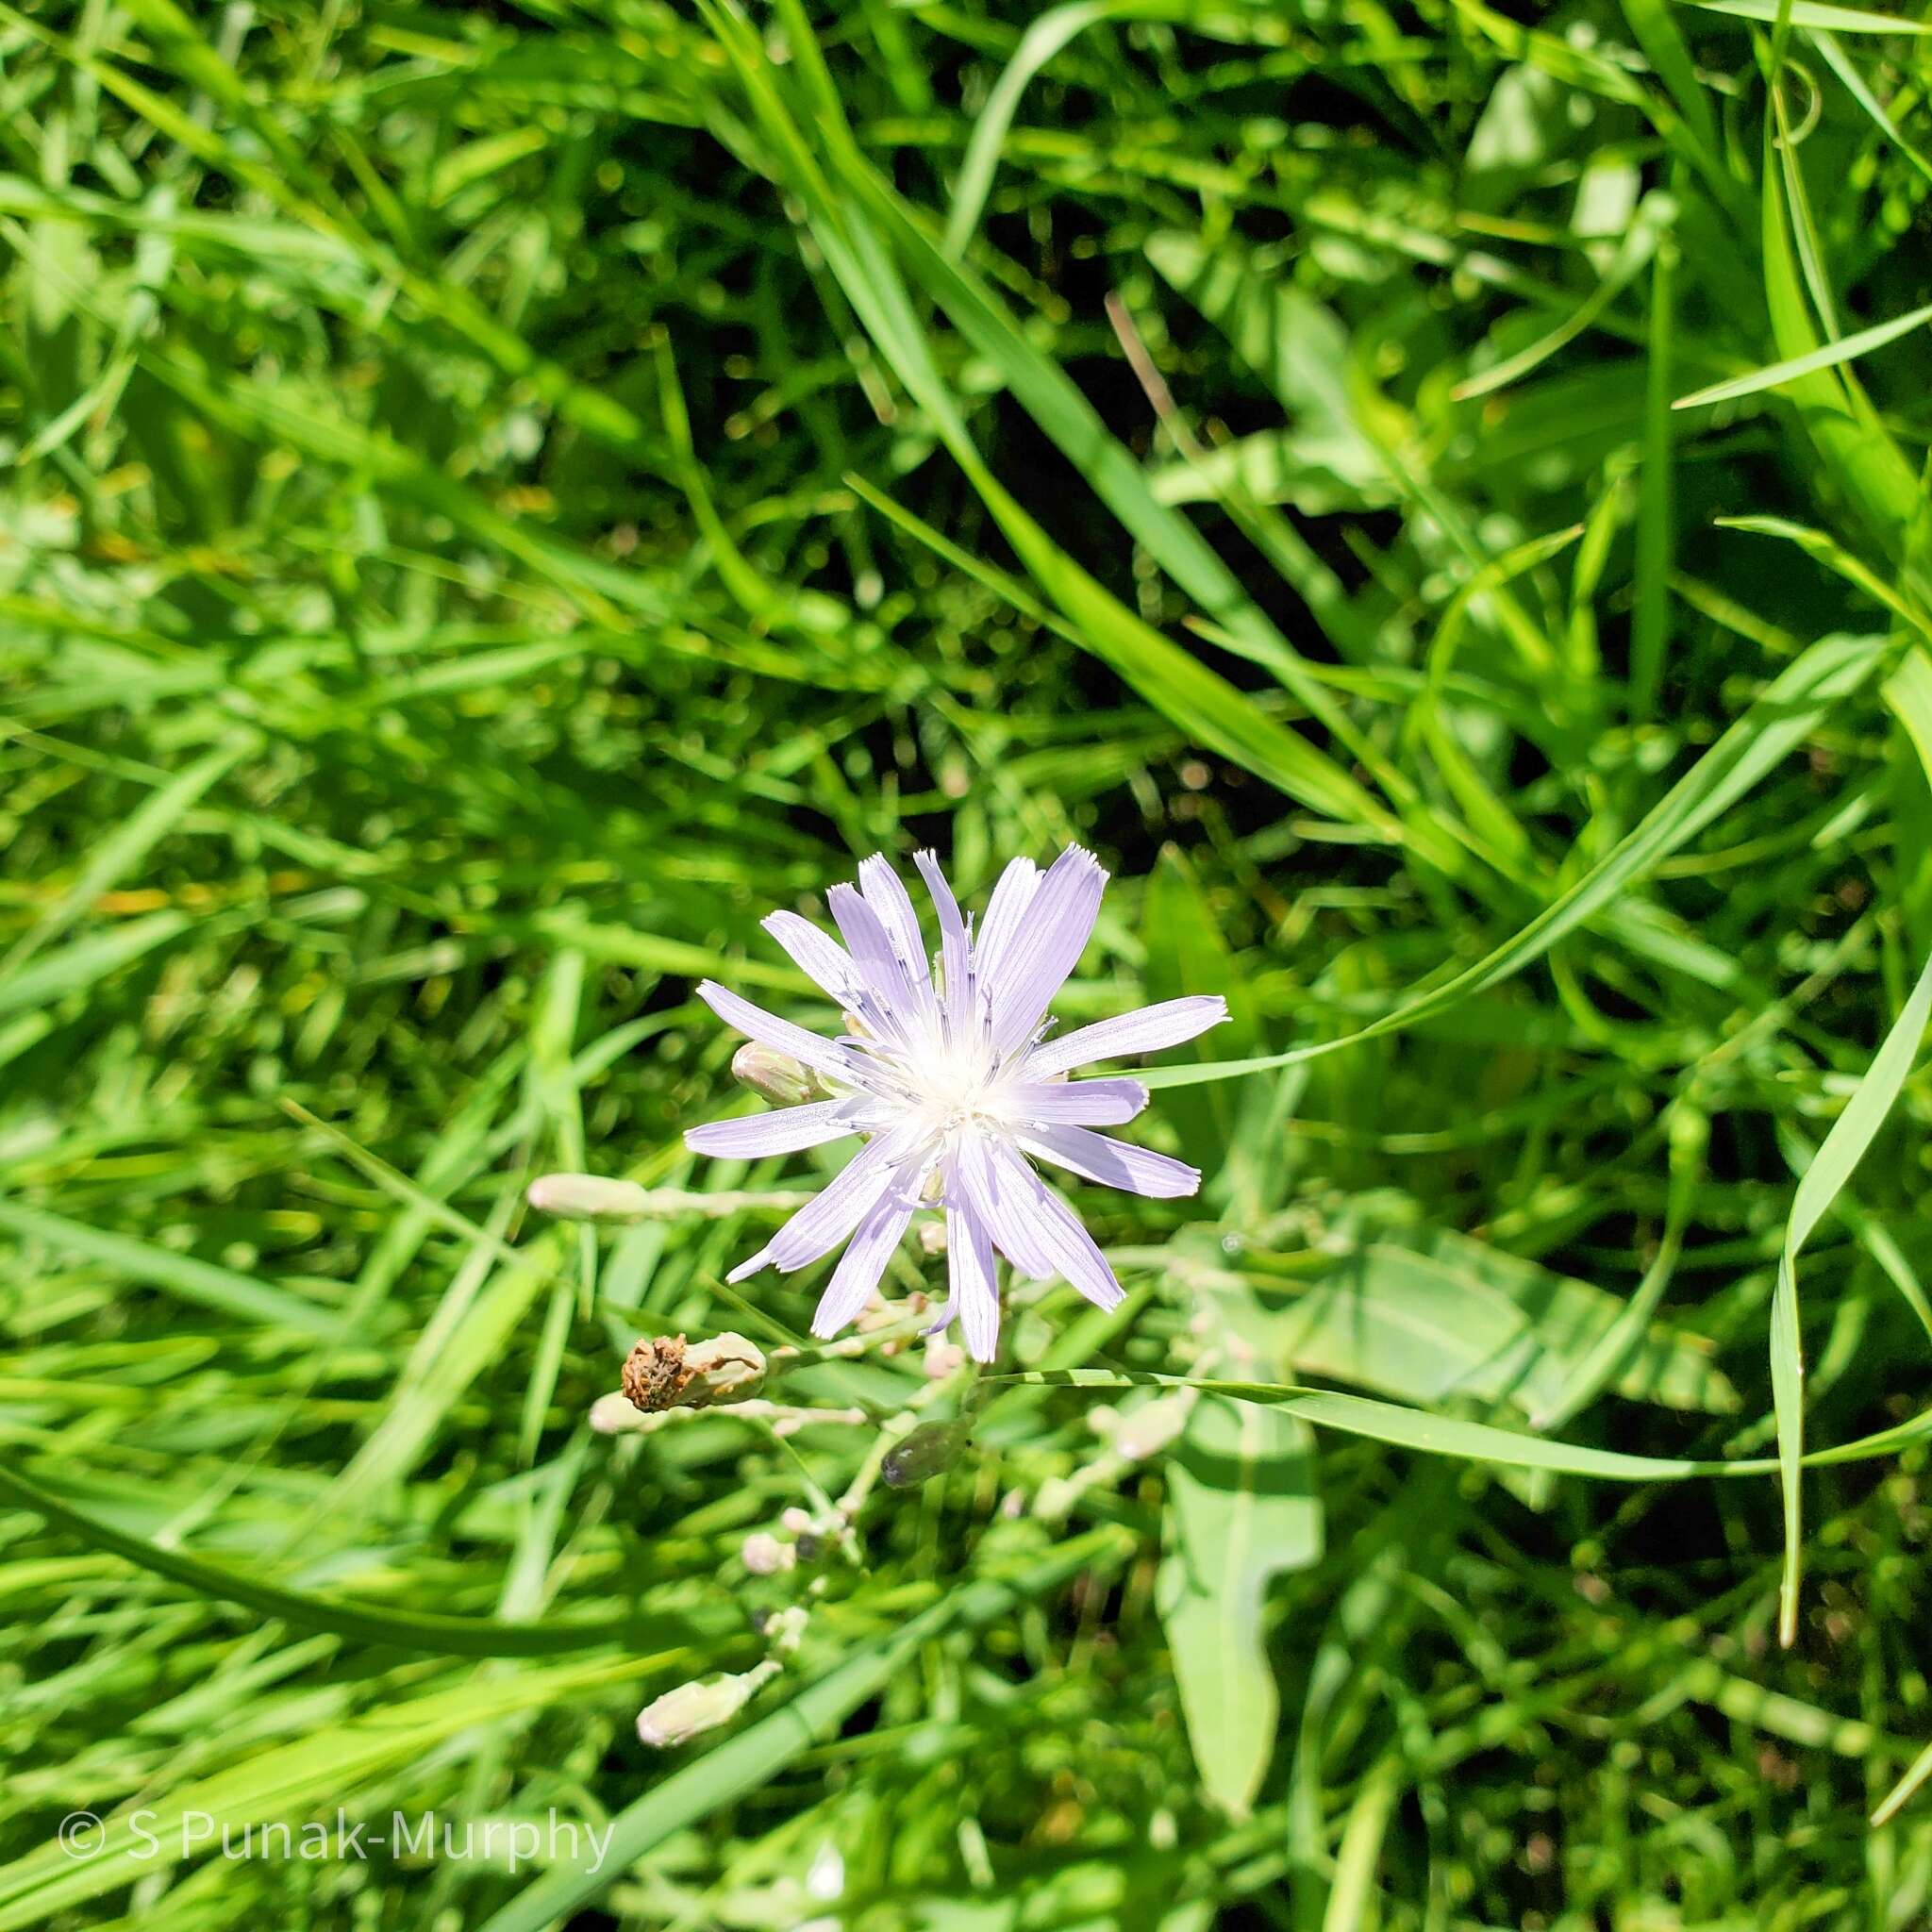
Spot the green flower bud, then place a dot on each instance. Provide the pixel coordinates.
(775, 1074)
(925, 1452)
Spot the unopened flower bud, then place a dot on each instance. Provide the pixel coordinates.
(925, 1452)
(614, 1414)
(589, 1197)
(693, 1708)
(763, 1554)
(776, 1076)
(668, 1371)
(786, 1629)
(942, 1358)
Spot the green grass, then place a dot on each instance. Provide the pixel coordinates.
(498, 499)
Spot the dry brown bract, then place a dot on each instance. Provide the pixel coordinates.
(666, 1372)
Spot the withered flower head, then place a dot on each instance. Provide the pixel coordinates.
(666, 1372)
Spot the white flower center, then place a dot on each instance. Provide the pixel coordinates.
(956, 1088)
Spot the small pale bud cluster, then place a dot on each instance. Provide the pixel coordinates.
(666, 1372)
(763, 1554)
(812, 1536)
(784, 1631)
(943, 1357)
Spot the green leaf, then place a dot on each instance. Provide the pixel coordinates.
(1187, 954)
(1292, 343)
(1242, 1508)
(756, 1754)
(1814, 13)
(1440, 1316)
(1786, 712)
(1855, 446)
(401, 1629)
(1442, 1435)
(1851, 1135)
(190, 1280)
(1043, 38)
(1846, 349)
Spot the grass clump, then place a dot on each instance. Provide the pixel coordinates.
(500, 499)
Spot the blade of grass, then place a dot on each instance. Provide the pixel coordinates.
(1851, 1135)
(747, 1762)
(1827, 355)
(1783, 716)
(378, 1623)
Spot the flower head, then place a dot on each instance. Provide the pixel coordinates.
(947, 1073)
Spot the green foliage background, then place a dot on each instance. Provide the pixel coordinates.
(499, 497)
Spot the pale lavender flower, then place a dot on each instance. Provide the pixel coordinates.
(953, 1083)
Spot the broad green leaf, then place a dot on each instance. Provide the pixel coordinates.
(1428, 1314)
(1241, 1507)
(1471, 1441)
(1295, 343)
